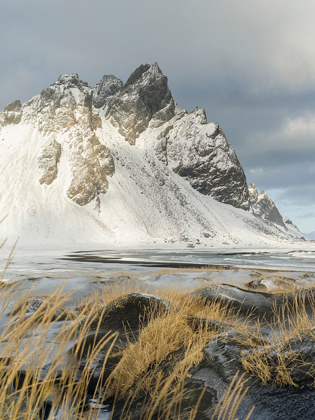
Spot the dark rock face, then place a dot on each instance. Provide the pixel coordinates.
(264, 207)
(221, 356)
(145, 96)
(13, 107)
(220, 364)
(107, 87)
(199, 152)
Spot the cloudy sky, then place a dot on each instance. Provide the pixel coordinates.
(250, 64)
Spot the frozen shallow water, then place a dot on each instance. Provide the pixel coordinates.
(102, 262)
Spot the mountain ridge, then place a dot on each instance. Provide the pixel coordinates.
(83, 158)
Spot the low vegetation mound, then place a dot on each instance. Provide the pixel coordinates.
(125, 353)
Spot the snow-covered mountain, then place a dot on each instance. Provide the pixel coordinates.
(310, 235)
(122, 163)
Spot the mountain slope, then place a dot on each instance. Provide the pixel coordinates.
(122, 163)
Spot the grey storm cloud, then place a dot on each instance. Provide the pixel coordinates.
(250, 64)
(309, 215)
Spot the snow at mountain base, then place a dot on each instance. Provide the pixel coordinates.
(123, 164)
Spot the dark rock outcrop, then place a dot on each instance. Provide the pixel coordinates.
(91, 163)
(123, 317)
(199, 152)
(48, 162)
(66, 106)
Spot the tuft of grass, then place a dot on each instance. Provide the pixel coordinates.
(9, 259)
(168, 335)
(231, 400)
(276, 361)
(156, 365)
(36, 366)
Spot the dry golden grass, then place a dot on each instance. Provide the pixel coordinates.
(153, 366)
(36, 365)
(163, 336)
(9, 259)
(289, 288)
(166, 349)
(279, 284)
(230, 402)
(183, 270)
(26, 348)
(274, 362)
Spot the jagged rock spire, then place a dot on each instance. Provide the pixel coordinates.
(264, 207)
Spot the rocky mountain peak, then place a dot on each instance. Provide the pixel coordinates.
(200, 115)
(70, 81)
(72, 78)
(264, 207)
(107, 87)
(11, 114)
(13, 106)
(60, 106)
(137, 74)
(144, 97)
(253, 192)
(144, 72)
(67, 92)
